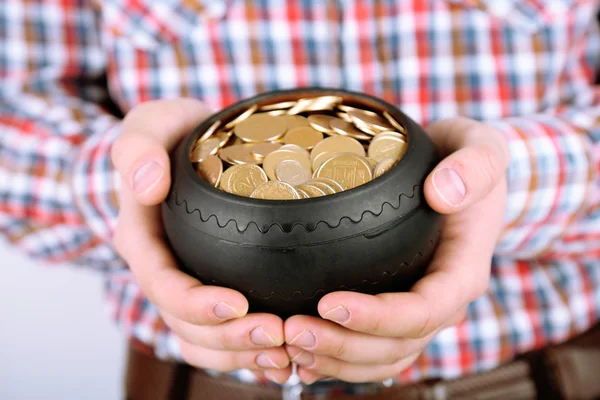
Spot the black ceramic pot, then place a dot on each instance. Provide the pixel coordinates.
(285, 255)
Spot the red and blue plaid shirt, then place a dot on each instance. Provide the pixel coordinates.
(527, 67)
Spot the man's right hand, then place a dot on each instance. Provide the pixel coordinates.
(214, 330)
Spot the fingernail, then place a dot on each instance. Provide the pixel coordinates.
(264, 361)
(450, 186)
(303, 358)
(147, 176)
(261, 338)
(225, 311)
(339, 314)
(304, 339)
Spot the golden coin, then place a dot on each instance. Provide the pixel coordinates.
(295, 121)
(320, 122)
(391, 134)
(305, 137)
(275, 190)
(334, 184)
(371, 119)
(210, 131)
(292, 172)
(321, 185)
(239, 154)
(210, 169)
(224, 137)
(302, 193)
(312, 191)
(372, 162)
(345, 108)
(274, 158)
(295, 147)
(261, 150)
(209, 147)
(348, 169)
(278, 106)
(384, 166)
(344, 116)
(245, 178)
(225, 181)
(322, 103)
(242, 117)
(344, 128)
(394, 122)
(276, 113)
(260, 128)
(337, 144)
(386, 147)
(369, 129)
(321, 158)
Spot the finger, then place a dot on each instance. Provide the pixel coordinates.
(138, 239)
(326, 366)
(477, 159)
(309, 377)
(325, 338)
(149, 131)
(457, 275)
(226, 361)
(254, 331)
(279, 376)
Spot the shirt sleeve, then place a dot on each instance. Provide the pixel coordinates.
(554, 174)
(57, 186)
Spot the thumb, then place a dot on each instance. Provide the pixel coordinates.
(148, 133)
(476, 159)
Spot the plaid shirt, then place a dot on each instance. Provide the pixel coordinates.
(527, 67)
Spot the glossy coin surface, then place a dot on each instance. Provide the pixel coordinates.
(261, 150)
(260, 128)
(275, 190)
(320, 122)
(393, 122)
(210, 169)
(323, 186)
(209, 147)
(292, 172)
(384, 166)
(278, 106)
(242, 117)
(305, 137)
(295, 121)
(312, 191)
(296, 148)
(210, 131)
(348, 169)
(239, 154)
(370, 119)
(337, 144)
(344, 128)
(245, 178)
(274, 158)
(386, 147)
(334, 184)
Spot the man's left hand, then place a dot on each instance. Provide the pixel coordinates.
(364, 338)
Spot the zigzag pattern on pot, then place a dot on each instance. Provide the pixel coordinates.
(266, 229)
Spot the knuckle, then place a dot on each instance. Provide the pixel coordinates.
(340, 349)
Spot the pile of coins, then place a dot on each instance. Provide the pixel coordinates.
(298, 149)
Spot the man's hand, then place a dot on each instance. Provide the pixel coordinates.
(212, 323)
(364, 338)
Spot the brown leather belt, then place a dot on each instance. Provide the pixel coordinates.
(566, 371)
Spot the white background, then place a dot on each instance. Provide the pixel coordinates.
(56, 338)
